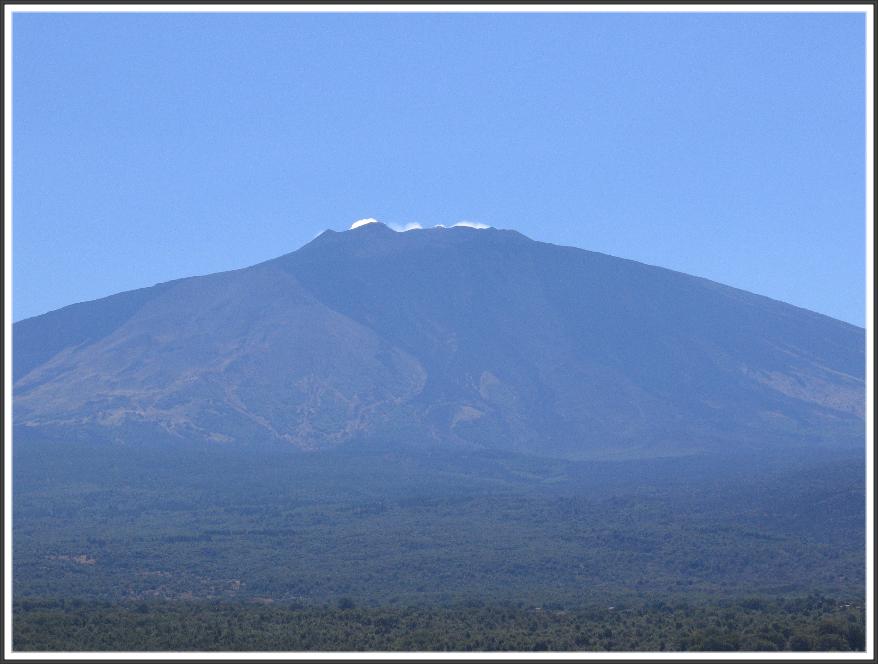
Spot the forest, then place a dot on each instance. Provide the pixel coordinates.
(137, 549)
(811, 623)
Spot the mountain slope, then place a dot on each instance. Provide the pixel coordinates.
(475, 338)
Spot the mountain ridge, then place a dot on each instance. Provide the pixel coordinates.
(461, 336)
(332, 232)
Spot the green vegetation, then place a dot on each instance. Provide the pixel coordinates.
(385, 531)
(123, 550)
(813, 623)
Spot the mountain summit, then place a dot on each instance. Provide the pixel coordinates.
(445, 336)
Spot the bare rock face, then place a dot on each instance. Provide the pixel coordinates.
(477, 338)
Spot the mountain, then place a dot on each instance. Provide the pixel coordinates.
(452, 337)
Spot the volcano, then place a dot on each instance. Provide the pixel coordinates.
(451, 337)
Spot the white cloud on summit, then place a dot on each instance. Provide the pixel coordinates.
(411, 226)
(465, 224)
(414, 226)
(363, 222)
(470, 224)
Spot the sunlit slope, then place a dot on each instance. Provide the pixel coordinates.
(453, 337)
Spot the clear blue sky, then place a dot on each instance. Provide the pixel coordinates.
(150, 147)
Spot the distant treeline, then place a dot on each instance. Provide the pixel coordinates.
(753, 624)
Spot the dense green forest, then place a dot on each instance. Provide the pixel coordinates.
(388, 530)
(813, 623)
(120, 548)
